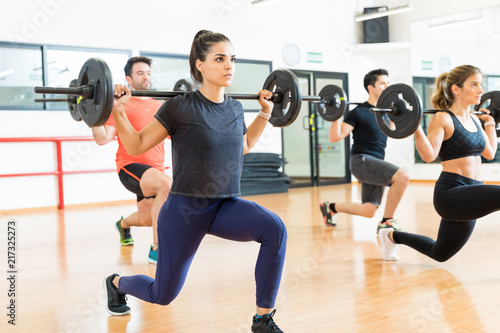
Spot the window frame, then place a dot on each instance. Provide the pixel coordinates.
(44, 48)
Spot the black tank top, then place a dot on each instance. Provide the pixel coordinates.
(462, 143)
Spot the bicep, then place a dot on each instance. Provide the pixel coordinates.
(436, 133)
(110, 132)
(152, 134)
(345, 129)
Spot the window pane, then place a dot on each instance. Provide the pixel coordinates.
(168, 70)
(249, 78)
(65, 65)
(20, 71)
(492, 82)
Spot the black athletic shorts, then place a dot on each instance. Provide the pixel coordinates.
(130, 176)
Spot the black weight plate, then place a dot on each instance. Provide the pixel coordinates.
(491, 101)
(336, 102)
(95, 110)
(72, 102)
(407, 114)
(286, 84)
(183, 85)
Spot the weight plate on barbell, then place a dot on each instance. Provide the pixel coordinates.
(286, 84)
(95, 110)
(183, 85)
(407, 111)
(491, 101)
(73, 104)
(335, 105)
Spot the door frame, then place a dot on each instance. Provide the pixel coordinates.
(316, 180)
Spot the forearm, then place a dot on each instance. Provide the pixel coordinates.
(335, 133)
(424, 147)
(491, 133)
(129, 137)
(102, 135)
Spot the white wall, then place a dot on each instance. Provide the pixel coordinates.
(257, 32)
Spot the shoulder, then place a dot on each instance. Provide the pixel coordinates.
(180, 100)
(442, 117)
(364, 107)
(442, 120)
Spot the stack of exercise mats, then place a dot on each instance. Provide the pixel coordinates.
(261, 174)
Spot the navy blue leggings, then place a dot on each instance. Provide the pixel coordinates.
(182, 224)
(459, 201)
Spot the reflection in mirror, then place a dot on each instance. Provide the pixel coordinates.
(439, 44)
(20, 71)
(64, 65)
(249, 76)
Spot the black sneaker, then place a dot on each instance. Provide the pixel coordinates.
(117, 302)
(265, 324)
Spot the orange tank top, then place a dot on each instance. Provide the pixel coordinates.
(140, 112)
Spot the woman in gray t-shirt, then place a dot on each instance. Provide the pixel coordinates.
(209, 138)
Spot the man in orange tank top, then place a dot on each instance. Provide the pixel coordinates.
(143, 174)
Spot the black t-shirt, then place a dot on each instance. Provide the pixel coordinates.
(367, 136)
(207, 145)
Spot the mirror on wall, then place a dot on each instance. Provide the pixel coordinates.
(439, 44)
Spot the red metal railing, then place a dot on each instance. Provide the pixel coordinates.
(59, 172)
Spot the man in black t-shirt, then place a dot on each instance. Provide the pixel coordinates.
(367, 160)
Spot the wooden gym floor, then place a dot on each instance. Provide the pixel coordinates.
(334, 278)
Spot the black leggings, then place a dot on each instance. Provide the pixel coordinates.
(459, 201)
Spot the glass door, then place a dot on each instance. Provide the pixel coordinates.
(298, 142)
(311, 159)
(332, 165)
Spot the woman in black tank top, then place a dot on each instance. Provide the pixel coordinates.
(460, 197)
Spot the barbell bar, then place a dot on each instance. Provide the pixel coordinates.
(95, 90)
(71, 100)
(399, 110)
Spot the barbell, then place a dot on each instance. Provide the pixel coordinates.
(72, 101)
(181, 86)
(95, 90)
(398, 110)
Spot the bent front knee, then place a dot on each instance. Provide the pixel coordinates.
(279, 234)
(401, 177)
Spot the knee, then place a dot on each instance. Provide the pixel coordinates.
(402, 177)
(368, 210)
(279, 232)
(441, 257)
(164, 185)
(166, 301)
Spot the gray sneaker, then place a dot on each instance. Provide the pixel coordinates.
(391, 224)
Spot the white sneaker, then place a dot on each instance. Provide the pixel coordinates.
(390, 250)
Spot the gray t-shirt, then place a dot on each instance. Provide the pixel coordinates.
(207, 145)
